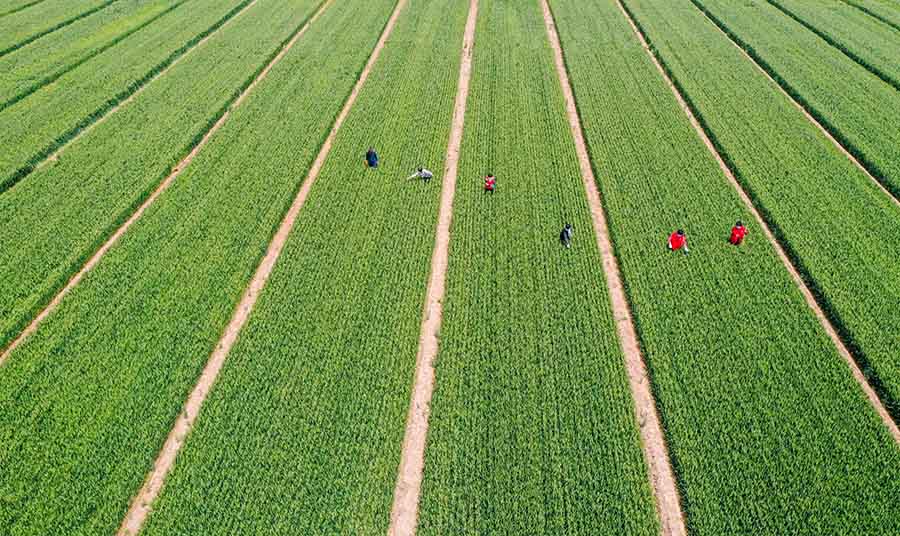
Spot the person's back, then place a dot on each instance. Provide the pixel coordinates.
(490, 183)
(565, 236)
(738, 232)
(372, 158)
(677, 240)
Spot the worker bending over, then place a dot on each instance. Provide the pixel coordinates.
(565, 236)
(371, 158)
(677, 241)
(738, 232)
(423, 174)
(490, 183)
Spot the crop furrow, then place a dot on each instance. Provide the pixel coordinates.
(58, 26)
(877, 16)
(26, 5)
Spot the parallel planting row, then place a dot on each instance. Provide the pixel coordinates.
(86, 403)
(53, 221)
(754, 413)
(329, 351)
(25, 26)
(34, 127)
(840, 229)
(533, 429)
(856, 106)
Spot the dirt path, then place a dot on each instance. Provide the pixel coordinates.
(405, 510)
(142, 503)
(840, 147)
(82, 131)
(163, 186)
(662, 478)
(807, 294)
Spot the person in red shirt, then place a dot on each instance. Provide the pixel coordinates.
(677, 241)
(738, 232)
(490, 183)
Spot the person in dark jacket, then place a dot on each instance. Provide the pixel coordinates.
(565, 236)
(371, 158)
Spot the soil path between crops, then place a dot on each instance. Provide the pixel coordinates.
(162, 187)
(142, 503)
(662, 477)
(825, 132)
(407, 491)
(785, 260)
(54, 156)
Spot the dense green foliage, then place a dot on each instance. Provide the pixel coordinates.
(755, 414)
(52, 222)
(887, 11)
(46, 60)
(839, 228)
(532, 429)
(857, 107)
(33, 128)
(86, 402)
(306, 422)
(868, 41)
(24, 27)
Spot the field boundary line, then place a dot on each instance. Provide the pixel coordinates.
(51, 152)
(160, 188)
(20, 8)
(663, 484)
(49, 79)
(808, 295)
(825, 127)
(142, 503)
(872, 14)
(408, 489)
(43, 33)
(886, 78)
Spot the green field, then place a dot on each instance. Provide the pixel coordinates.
(207, 158)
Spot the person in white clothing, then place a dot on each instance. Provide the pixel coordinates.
(423, 174)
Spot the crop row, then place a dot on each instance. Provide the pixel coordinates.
(45, 61)
(86, 403)
(14, 6)
(34, 127)
(52, 223)
(27, 26)
(533, 429)
(866, 40)
(887, 11)
(840, 230)
(328, 354)
(857, 108)
(762, 417)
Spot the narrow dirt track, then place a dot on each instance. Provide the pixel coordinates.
(807, 294)
(405, 510)
(141, 505)
(840, 147)
(662, 478)
(163, 186)
(54, 156)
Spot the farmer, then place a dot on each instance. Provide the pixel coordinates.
(738, 232)
(565, 236)
(371, 158)
(677, 241)
(421, 173)
(490, 182)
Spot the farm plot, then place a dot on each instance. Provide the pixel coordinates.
(86, 403)
(33, 128)
(868, 41)
(887, 11)
(14, 6)
(46, 60)
(51, 223)
(840, 229)
(762, 418)
(329, 351)
(532, 427)
(28, 25)
(857, 107)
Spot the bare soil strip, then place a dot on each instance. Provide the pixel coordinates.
(802, 108)
(405, 510)
(136, 215)
(143, 501)
(807, 294)
(27, 41)
(51, 153)
(662, 478)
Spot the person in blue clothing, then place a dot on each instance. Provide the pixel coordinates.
(371, 158)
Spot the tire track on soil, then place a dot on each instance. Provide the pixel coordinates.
(830, 329)
(661, 475)
(141, 505)
(405, 510)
